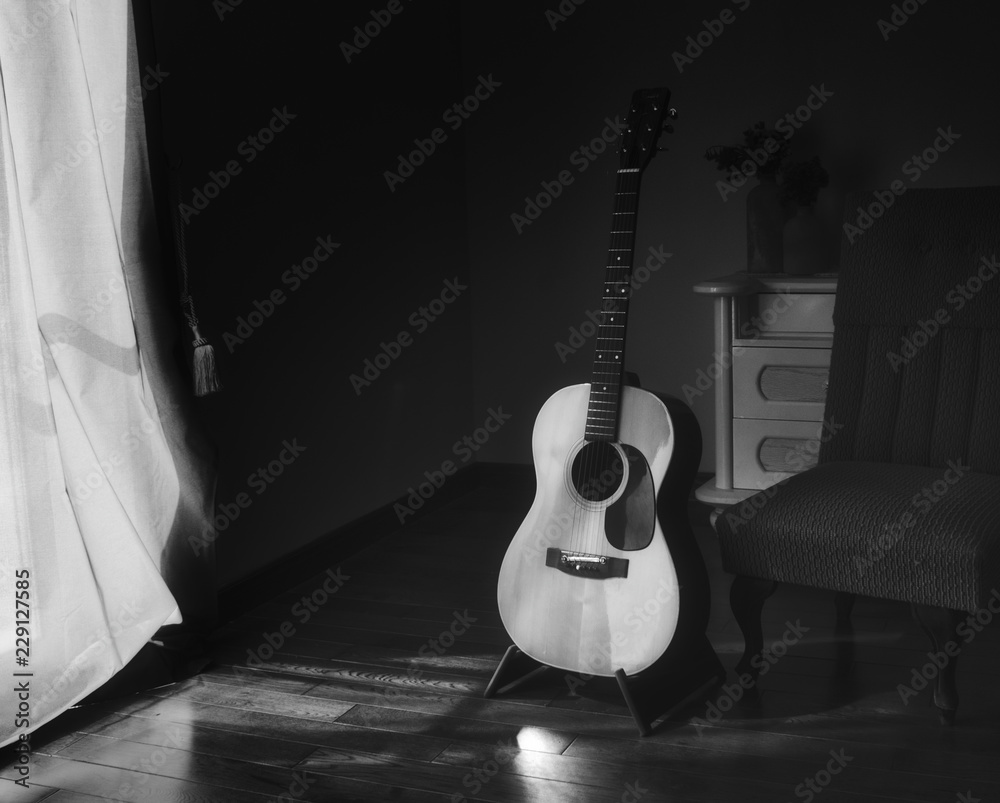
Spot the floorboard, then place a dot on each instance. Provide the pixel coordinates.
(375, 692)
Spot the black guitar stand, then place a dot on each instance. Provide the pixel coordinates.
(677, 680)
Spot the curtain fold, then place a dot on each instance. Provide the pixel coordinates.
(103, 473)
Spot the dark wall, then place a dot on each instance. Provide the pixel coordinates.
(889, 97)
(546, 87)
(320, 179)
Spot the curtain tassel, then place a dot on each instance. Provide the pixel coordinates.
(204, 370)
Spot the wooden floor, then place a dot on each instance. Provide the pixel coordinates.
(372, 696)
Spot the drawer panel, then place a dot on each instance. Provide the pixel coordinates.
(765, 451)
(781, 384)
(773, 314)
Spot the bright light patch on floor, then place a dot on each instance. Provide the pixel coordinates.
(534, 739)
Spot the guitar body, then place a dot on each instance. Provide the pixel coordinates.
(578, 620)
(604, 576)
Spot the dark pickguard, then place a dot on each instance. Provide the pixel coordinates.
(629, 522)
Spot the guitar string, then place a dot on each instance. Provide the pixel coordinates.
(626, 241)
(600, 457)
(595, 410)
(614, 305)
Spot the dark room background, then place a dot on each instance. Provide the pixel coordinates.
(309, 260)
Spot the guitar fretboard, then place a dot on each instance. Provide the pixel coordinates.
(609, 354)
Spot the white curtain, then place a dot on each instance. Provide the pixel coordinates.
(92, 484)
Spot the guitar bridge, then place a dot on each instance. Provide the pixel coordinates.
(597, 567)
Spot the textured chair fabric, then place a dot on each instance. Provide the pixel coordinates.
(905, 501)
(909, 533)
(915, 367)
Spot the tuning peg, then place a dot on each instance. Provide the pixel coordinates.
(672, 114)
(668, 129)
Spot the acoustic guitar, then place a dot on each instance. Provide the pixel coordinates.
(589, 582)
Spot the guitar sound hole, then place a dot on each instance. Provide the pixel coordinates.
(597, 471)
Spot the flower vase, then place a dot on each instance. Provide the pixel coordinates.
(765, 223)
(804, 240)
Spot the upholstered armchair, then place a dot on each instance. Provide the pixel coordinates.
(904, 502)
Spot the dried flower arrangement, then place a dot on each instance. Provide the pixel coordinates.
(763, 151)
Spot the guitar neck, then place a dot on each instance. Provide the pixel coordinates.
(609, 354)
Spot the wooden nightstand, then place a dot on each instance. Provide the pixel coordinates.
(773, 334)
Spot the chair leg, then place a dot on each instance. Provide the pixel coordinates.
(940, 625)
(843, 602)
(746, 598)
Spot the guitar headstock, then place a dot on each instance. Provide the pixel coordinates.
(649, 114)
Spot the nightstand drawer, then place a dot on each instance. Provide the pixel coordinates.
(776, 315)
(781, 384)
(766, 451)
